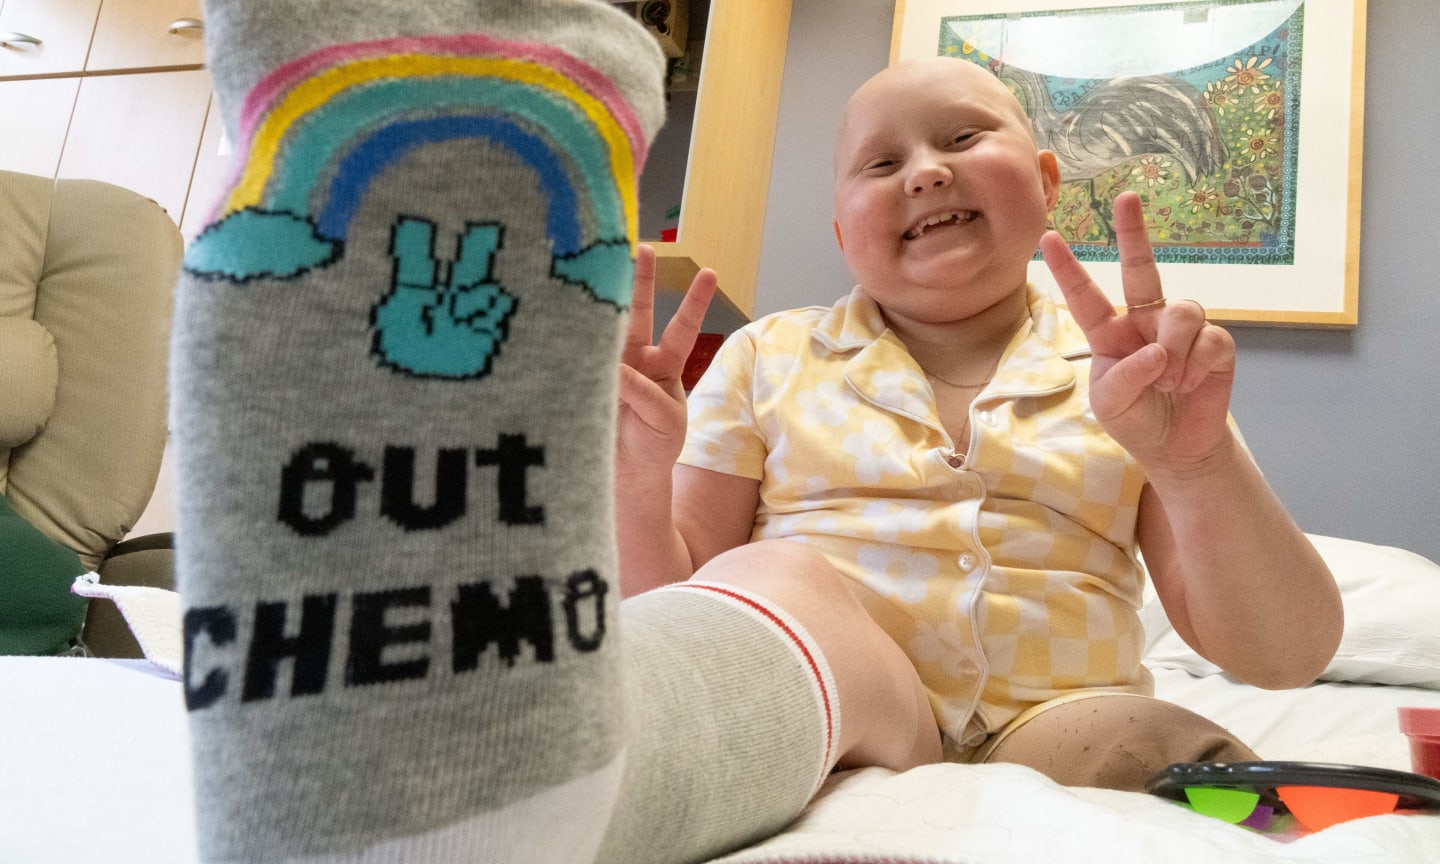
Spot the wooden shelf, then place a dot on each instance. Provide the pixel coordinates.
(727, 181)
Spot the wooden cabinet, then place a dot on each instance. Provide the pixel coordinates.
(147, 34)
(73, 37)
(162, 115)
(80, 77)
(46, 37)
(42, 108)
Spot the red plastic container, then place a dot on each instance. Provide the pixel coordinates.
(1422, 727)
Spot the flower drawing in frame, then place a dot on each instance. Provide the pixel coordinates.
(1185, 139)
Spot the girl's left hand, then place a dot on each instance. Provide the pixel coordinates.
(1161, 375)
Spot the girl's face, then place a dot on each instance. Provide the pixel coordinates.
(940, 194)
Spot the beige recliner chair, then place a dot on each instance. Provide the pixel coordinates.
(87, 272)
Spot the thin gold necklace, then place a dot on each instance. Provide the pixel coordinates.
(979, 385)
(957, 456)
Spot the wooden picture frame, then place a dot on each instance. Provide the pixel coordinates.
(1239, 122)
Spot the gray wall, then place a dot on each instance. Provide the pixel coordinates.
(1342, 422)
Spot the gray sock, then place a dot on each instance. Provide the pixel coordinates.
(393, 399)
(732, 724)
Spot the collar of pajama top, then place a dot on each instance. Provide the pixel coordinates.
(1031, 367)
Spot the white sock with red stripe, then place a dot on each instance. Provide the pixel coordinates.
(732, 723)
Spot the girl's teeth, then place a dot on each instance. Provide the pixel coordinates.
(955, 217)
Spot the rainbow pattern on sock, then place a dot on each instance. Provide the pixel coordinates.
(317, 131)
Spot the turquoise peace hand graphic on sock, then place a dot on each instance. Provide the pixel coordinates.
(439, 320)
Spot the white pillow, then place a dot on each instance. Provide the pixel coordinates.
(1392, 619)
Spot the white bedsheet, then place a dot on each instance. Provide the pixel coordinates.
(94, 767)
(1003, 814)
(94, 763)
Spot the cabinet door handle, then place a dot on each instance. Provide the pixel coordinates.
(8, 38)
(186, 24)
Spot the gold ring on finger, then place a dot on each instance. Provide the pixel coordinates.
(1131, 307)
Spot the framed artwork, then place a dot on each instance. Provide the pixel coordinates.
(1238, 122)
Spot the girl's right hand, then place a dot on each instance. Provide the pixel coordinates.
(652, 418)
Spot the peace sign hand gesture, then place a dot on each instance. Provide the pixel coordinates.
(1160, 376)
(651, 423)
